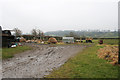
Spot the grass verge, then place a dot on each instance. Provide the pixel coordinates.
(9, 52)
(86, 65)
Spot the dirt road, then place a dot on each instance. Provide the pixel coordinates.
(38, 62)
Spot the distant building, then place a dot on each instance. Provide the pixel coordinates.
(68, 39)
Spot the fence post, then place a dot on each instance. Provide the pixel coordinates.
(119, 30)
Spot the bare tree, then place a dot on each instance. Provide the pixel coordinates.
(18, 32)
(34, 32)
(39, 33)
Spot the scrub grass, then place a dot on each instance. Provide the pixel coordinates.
(9, 52)
(86, 64)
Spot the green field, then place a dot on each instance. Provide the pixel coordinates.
(87, 64)
(9, 52)
(111, 41)
(108, 41)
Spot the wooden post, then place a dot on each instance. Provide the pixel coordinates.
(119, 30)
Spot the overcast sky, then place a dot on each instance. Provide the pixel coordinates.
(51, 15)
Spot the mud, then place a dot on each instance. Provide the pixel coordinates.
(38, 62)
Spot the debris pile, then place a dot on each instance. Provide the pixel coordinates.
(34, 41)
(22, 39)
(109, 53)
(52, 40)
(100, 42)
(89, 40)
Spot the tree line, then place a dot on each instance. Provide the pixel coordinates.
(71, 33)
(34, 32)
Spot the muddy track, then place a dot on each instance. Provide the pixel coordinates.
(38, 62)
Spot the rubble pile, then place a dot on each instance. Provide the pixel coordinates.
(109, 53)
(22, 39)
(34, 41)
(52, 40)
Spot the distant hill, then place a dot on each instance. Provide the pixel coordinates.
(94, 34)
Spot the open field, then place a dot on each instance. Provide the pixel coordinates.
(86, 64)
(107, 41)
(111, 41)
(10, 52)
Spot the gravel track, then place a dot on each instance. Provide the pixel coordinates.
(38, 62)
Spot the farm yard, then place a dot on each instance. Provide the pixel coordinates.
(60, 39)
(54, 60)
